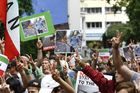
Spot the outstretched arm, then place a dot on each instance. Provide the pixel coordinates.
(39, 52)
(122, 69)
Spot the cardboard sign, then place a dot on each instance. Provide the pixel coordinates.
(39, 25)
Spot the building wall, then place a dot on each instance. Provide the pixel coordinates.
(74, 14)
(98, 16)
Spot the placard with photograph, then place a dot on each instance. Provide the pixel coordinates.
(137, 51)
(68, 40)
(49, 43)
(39, 25)
(128, 54)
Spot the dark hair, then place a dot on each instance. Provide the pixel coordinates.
(12, 64)
(129, 86)
(34, 83)
(56, 89)
(15, 84)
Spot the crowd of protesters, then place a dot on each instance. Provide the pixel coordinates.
(57, 73)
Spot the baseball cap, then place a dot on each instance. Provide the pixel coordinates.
(48, 84)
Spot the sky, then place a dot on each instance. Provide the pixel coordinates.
(58, 9)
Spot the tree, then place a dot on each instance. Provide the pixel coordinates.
(133, 12)
(25, 6)
(126, 29)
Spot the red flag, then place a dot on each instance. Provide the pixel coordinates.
(10, 17)
(3, 7)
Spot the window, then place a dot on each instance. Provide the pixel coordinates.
(93, 10)
(94, 25)
(109, 10)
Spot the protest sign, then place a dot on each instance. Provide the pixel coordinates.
(85, 85)
(39, 25)
(128, 54)
(68, 40)
(48, 43)
(137, 51)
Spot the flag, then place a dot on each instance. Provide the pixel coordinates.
(3, 64)
(10, 15)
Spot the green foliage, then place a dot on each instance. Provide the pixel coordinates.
(25, 6)
(29, 48)
(126, 29)
(133, 12)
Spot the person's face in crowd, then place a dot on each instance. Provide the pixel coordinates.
(53, 63)
(46, 67)
(12, 69)
(33, 90)
(119, 77)
(24, 60)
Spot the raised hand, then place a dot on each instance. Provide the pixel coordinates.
(116, 40)
(95, 55)
(76, 56)
(56, 75)
(31, 61)
(39, 44)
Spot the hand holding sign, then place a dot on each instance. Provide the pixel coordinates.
(39, 44)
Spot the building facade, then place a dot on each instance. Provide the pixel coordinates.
(97, 15)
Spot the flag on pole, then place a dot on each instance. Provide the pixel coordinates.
(3, 64)
(10, 18)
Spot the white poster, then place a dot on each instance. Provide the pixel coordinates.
(85, 85)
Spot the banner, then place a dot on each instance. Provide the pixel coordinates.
(85, 84)
(3, 64)
(12, 37)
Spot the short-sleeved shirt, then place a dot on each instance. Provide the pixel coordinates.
(135, 76)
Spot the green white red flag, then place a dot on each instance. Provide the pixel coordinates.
(3, 64)
(9, 14)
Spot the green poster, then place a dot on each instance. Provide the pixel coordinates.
(36, 26)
